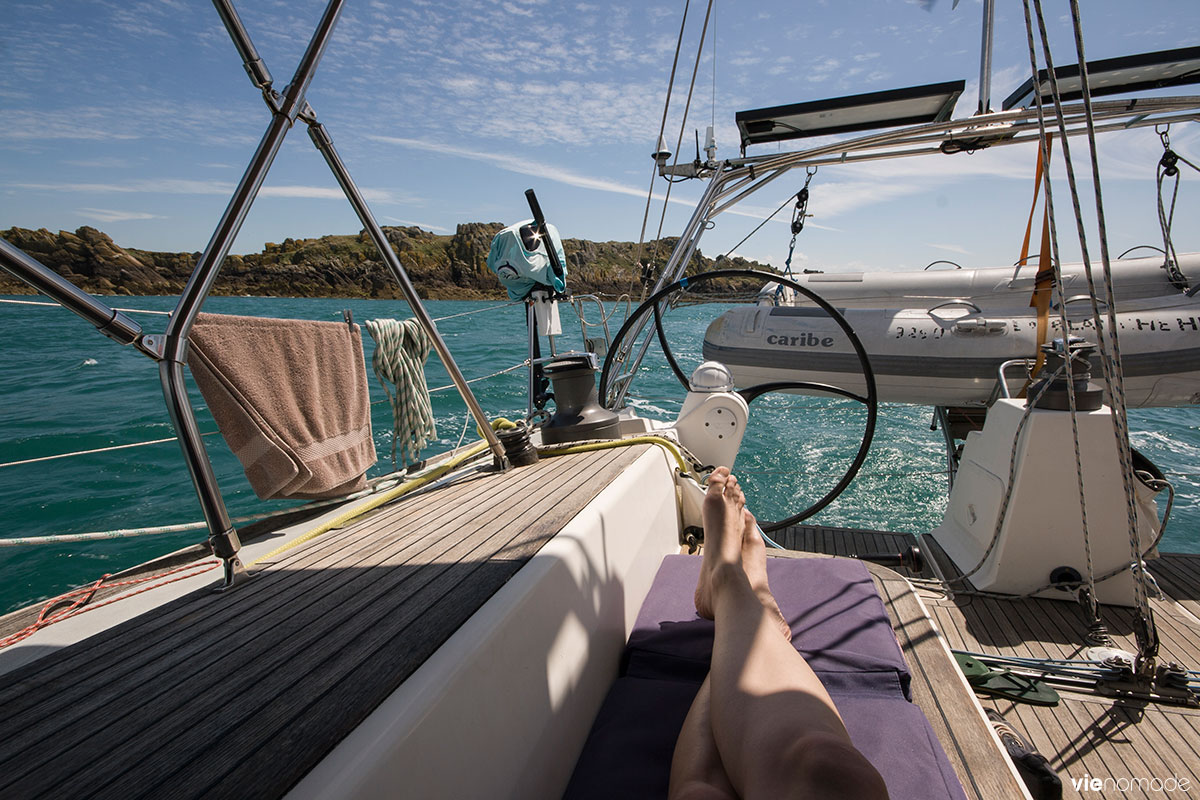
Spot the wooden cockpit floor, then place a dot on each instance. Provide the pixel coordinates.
(1124, 743)
(240, 694)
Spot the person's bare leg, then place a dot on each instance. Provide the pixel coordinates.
(776, 729)
(696, 769)
(754, 562)
(723, 505)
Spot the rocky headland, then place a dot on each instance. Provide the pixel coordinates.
(442, 267)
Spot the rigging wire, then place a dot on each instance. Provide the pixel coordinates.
(1044, 142)
(1107, 340)
(662, 127)
(1168, 167)
(1147, 635)
(682, 128)
(57, 305)
(757, 227)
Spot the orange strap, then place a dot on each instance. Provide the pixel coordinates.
(1044, 281)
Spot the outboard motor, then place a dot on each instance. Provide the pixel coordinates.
(578, 413)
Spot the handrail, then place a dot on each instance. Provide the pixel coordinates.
(222, 535)
(170, 350)
(1003, 381)
(956, 302)
(1079, 298)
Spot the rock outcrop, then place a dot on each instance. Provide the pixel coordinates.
(441, 267)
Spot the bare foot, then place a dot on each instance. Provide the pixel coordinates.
(754, 562)
(722, 513)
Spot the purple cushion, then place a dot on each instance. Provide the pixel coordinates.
(838, 623)
(628, 752)
(840, 626)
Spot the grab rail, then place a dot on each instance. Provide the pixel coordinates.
(1078, 298)
(1003, 381)
(958, 302)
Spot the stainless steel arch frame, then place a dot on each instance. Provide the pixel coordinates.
(731, 181)
(170, 350)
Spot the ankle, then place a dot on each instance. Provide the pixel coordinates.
(727, 575)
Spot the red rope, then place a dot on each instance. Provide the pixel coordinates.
(84, 594)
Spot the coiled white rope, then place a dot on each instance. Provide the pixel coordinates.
(401, 348)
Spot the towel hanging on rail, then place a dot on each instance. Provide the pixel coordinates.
(290, 397)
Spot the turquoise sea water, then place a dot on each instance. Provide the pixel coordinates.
(65, 388)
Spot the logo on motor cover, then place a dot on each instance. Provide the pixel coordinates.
(803, 340)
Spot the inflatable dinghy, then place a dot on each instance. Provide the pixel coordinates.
(950, 353)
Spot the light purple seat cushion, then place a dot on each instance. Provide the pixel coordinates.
(840, 626)
(838, 622)
(628, 752)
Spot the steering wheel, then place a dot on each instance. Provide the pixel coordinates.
(750, 393)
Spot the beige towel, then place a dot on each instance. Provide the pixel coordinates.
(291, 400)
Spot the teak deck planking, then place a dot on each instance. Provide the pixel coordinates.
(1087, 735)
(239, 695)
(936, 686)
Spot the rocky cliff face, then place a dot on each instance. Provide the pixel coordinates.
(441, 267)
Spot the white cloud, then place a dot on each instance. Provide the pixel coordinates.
(103, 162)
(953, 248)
(520, 165)
(112, 215)
(425, 225)
(194, 187)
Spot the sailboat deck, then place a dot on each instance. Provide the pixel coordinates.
(240, 694)
(1119, 741)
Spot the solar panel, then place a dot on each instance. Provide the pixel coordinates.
(1113, 75)
(918, 104)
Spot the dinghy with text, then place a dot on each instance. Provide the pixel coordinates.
(950, 352)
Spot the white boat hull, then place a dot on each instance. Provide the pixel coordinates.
(951, 356)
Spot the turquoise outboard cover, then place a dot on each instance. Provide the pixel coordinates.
(521, 262)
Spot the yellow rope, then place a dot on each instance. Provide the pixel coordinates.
(666, 444)
(345, 518)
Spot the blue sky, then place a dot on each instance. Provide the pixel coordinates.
(136, 117)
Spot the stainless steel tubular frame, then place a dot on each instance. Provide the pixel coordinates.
(744, 181)
(1003, 369)
(941, 418)
(222, 536)
(324, 144)
(740, 174)
(677, 263)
